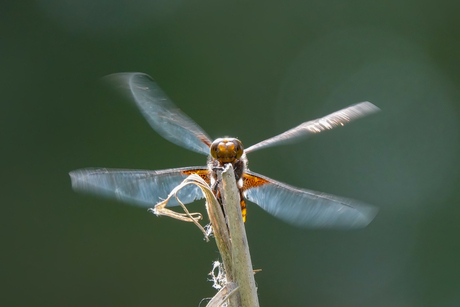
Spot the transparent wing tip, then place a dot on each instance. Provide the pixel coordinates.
(77, 180)
(367, 107)
(123, 81)
(368, 213)
(80, 179)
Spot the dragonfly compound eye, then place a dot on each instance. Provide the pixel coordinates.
(226, 150)
(214, 148)
(239, 148)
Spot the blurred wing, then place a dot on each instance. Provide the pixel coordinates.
(336, 119)
(306, 208)
(138, 187)
(163, 116)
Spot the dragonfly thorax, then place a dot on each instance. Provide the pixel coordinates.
(226, 150)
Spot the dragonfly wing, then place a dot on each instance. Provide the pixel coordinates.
(138, 187)
(306, 208)
(163, 116)
(336, 119)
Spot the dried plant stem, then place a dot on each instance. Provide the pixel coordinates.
(224, 244)
(241, 259)
(239, 289)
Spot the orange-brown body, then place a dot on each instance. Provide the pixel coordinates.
(223, 151)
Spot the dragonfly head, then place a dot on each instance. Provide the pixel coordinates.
(226, 150)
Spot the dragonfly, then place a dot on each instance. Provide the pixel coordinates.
(145, 188)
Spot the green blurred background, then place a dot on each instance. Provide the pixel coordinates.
(249, 69)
